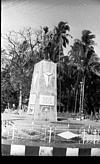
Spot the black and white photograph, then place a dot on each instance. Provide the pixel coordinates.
(50, 78)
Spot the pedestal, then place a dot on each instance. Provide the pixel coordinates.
(43, 95)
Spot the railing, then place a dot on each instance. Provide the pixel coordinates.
(48, 134)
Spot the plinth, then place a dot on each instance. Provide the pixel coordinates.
(43, 95)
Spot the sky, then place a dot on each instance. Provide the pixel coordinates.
(80, 15)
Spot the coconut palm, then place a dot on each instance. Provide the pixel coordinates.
(82, 55)
(60, 39)
(53, 41)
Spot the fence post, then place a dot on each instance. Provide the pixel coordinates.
(94, 136)
(50, 135)
(98, 135)
(54, 133)
(13, 132)
(68, 127)
(83, 136)
(45, 133)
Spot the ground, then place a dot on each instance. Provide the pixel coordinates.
(30, 132)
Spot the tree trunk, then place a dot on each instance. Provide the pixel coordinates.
(83, 93)
(20, 97)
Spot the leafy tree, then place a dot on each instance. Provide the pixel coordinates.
(8, 95)
(4, 59)
(22, 60)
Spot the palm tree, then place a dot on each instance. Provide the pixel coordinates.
(82, 55)
(88, 53)
(60, 38)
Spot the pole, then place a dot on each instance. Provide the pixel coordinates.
(76, 100)
(81, 97)
(60, 97)
(68, 100)
(76, 92)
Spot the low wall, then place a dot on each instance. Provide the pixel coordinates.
(23, 150)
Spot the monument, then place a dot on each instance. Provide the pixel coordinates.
(43, 95)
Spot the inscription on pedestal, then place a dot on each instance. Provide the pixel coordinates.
(46, 100)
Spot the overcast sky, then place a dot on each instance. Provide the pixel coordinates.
(80, 15)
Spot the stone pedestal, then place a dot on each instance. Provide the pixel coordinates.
(43, 94)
